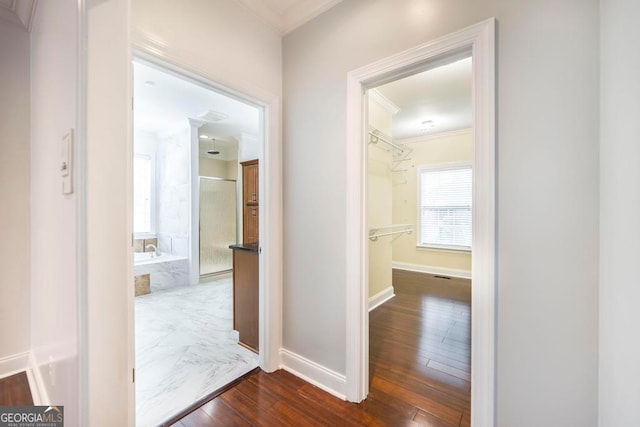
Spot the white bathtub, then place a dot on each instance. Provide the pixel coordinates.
(144, 258)
(167, 271)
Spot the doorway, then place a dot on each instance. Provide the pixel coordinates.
(478, 39)
(419, 201)
(188, 142)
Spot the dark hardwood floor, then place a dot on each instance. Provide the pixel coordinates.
(14, 390)
(420, 356)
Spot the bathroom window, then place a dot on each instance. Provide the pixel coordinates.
(143, 197)
(445, 206)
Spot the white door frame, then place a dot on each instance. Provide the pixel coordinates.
(480, 40)
(270, 182)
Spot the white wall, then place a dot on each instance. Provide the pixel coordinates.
(548, 101)
(619, 214)
(14, 189)
(173, 166)
(219, 36)
(54, 322)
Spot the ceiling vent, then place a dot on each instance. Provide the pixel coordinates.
(212, 116)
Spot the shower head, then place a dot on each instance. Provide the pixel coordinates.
(214, 151)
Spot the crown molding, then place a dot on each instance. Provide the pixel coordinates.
(20, 12)
(384, 102)
(424, 138)
(304, 11)
(291, 18)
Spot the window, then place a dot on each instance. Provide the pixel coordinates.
(445, 206)
(143, 194)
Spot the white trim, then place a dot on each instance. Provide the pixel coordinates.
(384, 102)
(287, 20)
(313, 373)
(430, 269)
(148, 49)
(13, 364)
(425, 138)
(381, 297)
(194, 201)
(303, 12)
(21, 12)
(80, 162)
(36, 383)
(480, 38)
(25, 362)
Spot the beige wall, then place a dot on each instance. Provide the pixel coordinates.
(225, 169)
(547, 259)
(14, 189)
(379, 212)
(432, 150)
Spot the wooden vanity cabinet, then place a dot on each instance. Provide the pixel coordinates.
(245, 261)
(245, 294)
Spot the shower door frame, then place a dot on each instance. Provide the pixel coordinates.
(208, 275)
(147, 50)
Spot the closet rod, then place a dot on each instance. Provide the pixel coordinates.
(373, 233)
(375, 136)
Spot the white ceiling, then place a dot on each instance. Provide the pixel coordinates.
(170, 101)
(442, 94)
(287, 15)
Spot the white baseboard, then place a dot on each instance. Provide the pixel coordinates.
(36, 383)
(25, 362)
(13, 364)
(381, 297)
(313, 373)
(451, 272)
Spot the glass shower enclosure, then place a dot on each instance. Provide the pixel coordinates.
(217, 224)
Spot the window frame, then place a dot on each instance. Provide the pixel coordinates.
(153, 206)
(432, 168)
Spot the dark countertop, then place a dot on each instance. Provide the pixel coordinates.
(251, 247)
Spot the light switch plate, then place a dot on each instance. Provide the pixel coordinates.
(66, 163)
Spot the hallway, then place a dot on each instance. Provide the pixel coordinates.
(419, 364)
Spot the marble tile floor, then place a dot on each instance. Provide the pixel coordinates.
(185, 348)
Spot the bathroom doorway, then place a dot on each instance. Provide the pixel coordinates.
(188, 141)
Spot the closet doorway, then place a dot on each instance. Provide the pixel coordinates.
(479, 41)
(419, 203)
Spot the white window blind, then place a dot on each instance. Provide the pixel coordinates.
(141, 194)
(445, 207)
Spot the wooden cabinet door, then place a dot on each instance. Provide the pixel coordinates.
(250, 182)
(250, 202)
(245, 297)
(250, 224)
